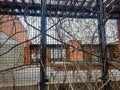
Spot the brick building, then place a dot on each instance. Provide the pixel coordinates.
(54, 53)
(12, 33)
(74, 51)
(83, 52)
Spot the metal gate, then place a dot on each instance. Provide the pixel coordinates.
(59, 45)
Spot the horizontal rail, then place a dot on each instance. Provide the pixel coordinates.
(34, 9)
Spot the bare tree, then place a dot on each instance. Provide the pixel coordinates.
(86, 72)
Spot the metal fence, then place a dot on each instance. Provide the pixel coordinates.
(58, 49)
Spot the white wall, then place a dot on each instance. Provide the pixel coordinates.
(14, 57)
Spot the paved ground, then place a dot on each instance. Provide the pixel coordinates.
(30, 75)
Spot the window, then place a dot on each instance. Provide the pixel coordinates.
(57, 54)
(35, 57)
(96, 57)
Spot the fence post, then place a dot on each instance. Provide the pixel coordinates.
(102, 39)
(43, 46)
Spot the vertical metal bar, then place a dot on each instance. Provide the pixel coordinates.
(102, 39)
(43, 46)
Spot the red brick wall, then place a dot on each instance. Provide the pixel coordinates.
(12, 27)
(26, 59)
(73, 51)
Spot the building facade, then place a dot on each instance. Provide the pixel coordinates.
(14, 51)
(74, 51)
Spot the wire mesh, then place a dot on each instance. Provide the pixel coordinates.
(72, 51)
